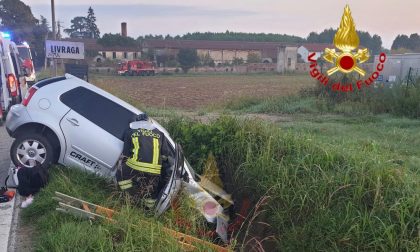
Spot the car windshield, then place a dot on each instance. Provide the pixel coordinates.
(24, 53)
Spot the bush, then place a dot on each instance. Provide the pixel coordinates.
(321, 197)
(187, 59)
(397, 99)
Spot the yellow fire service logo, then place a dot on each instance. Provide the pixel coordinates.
(345, 59)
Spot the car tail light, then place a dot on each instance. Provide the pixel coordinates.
(29, 95)
(12, 84)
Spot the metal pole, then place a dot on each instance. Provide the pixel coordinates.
(54, 31)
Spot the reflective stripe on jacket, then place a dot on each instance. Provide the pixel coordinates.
(144, 148)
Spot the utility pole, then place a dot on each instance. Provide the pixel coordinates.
(53, 19)
(54, 31)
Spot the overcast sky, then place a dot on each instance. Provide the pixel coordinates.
(386, 18)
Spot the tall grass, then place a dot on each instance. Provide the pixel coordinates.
(322, 197)
(398, 100)
(56, 231)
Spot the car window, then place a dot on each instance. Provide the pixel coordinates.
(24, 53)
(15, 65)
(103, 112)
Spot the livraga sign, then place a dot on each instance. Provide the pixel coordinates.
(64, 49)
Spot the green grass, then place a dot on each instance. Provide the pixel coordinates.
(56, 231)
(285, 105)
(399, 138)
(398, 100)
(348, 192)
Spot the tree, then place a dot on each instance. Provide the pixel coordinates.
(237, 61)
(40, 33)
(253, 58)
(187, 59)
(109, 39)
(91, 24)
(84, 27)
(17, 17)
(403, 43)
(206, 60)
(241, 36)
(414, 42)
(78, 27)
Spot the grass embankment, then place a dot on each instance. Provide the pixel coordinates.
(323, 195)
(56, 231)
(398, 100)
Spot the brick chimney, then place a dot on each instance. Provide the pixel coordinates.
(124, 29)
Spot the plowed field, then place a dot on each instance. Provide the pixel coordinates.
(192, 92)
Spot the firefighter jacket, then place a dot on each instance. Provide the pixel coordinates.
(144, 149)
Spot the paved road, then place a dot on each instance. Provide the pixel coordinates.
(5, 143)
(6, 209)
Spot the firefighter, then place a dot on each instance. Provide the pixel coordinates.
(147, 155)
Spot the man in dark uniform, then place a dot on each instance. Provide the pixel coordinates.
(147, 155)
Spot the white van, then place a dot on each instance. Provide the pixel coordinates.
(11, 77)
(27, 63)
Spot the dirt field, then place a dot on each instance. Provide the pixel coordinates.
(195, 91)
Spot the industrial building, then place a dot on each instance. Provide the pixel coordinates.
(221, 52)
(398, 66)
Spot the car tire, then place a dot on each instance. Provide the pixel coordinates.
(32, 147)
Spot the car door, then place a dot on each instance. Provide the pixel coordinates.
(4, 91)
(94, 129)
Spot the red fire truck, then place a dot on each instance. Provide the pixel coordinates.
(136, 67)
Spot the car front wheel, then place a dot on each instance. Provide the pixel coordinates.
(29, 149)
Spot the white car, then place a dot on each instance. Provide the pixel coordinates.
(71, 122)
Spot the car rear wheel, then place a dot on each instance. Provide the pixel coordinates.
(29, 149)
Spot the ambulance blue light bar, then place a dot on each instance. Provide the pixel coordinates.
(6, 35)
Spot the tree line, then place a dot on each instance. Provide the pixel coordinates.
(17, 17)
(372, 42)
(405, 43)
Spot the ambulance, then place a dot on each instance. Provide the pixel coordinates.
(10, 75)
